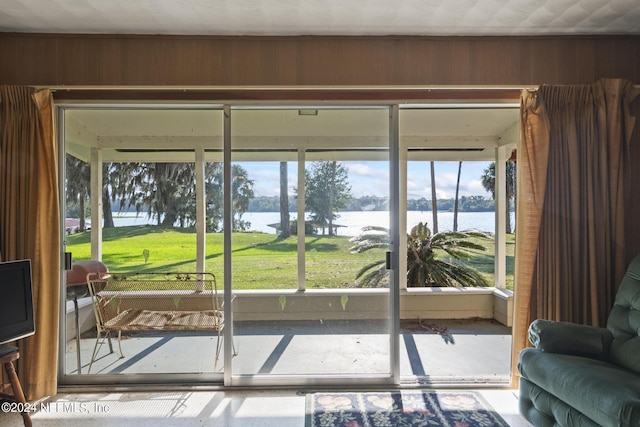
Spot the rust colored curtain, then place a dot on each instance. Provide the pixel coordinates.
(570, 235)
(30, 223)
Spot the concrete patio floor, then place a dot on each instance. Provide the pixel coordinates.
(431, 352)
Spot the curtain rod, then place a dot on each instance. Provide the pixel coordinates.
(196, 88)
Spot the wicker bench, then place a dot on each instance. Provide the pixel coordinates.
(128, 302)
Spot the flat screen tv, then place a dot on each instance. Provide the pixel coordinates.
(16, 301)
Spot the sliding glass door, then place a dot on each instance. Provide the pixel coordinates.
(143, 189)
(452, 327)
(305, 216)
(310, 217)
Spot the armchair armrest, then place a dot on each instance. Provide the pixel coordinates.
(570, 338)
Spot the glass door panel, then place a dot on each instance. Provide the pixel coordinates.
(449, 188)
(302, 310)
(143, 196)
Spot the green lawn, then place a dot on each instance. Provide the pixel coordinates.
(483, 261)
(259, 260)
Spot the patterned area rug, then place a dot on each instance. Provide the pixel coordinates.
(410, 408)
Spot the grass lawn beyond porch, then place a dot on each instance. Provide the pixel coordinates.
(259, 260)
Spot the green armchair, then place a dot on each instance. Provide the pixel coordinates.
(578, 375)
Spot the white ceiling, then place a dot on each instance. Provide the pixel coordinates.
(323, 17)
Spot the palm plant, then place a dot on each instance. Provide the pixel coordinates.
(427, 260)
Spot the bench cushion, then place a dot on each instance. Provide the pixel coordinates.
(140, 320)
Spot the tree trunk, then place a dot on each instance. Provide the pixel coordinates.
(509, 195)
(455, 205)
(434, 202)
(332, 189)
(514, 180)
(107, 213)
(82, 226)
(508, 218)
(285, 231)
(169, 220)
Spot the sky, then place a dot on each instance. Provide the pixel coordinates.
(369, 178)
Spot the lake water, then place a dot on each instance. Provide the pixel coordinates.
(353, 222)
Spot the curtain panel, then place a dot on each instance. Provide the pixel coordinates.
(30, 223)
(570, 237)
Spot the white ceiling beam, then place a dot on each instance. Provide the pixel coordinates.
(242, 156)
(241, 142)
(293, 142)
(159, 142)
(486, 154)
(448, 141)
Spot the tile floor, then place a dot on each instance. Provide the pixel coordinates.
(273, 408)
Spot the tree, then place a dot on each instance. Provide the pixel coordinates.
(489, 183)
(432, 259)
(241, 194)
(107, 212)
(123, 187)
(165, 188)
(434, 201)
(327, 190)
(285, 220)
(213, 180)
(78, 181)
(455, 206)
(167, 191)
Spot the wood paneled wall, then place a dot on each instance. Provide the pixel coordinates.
(229, 63)
(118, 60)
